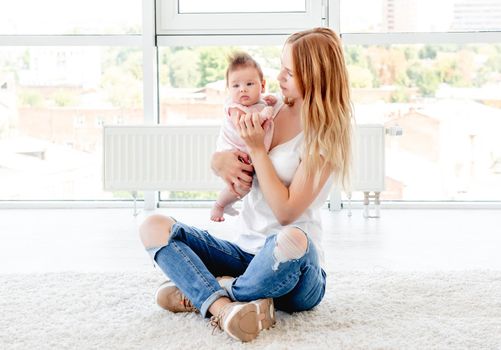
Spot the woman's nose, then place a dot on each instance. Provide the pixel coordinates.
(279, 76)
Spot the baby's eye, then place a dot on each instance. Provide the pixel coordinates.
(235, 86)
(250, 84)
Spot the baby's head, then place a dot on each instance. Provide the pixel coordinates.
(244, 79)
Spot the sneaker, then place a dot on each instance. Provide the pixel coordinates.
(244, 321)
(270, 320)
(169, 297)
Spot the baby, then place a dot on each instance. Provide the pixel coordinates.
(245, 82)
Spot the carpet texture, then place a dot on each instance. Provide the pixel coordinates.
(361, 310)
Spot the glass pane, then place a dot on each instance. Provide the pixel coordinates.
(446, 99)
(359, 16)
(53, 104)
(53, 17)
(193, 87)
(233, 6)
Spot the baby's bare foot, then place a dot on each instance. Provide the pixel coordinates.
(216, 214)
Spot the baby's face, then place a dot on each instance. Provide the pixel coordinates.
(245, 86)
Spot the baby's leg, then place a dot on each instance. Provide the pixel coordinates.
(223, 205)
(241, 192)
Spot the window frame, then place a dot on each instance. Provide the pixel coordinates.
(170, 21)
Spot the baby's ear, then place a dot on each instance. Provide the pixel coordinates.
(263, 85)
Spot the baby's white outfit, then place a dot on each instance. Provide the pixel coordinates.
(229, 139)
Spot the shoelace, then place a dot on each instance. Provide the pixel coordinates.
(217, 321)
(186, 302)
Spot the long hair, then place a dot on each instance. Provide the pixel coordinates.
(326, 113)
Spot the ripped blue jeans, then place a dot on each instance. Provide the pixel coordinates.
(193, 259)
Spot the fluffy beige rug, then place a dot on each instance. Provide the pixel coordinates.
(361, 310)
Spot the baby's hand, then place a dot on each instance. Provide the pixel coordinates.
(270, 100)
(266, 113)
(235, 114)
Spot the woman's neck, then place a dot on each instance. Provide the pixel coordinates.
(295, 108)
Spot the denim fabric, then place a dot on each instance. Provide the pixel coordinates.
(193, 258)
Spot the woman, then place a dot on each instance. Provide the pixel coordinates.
(276, 259)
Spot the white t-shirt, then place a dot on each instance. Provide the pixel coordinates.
(256, 220)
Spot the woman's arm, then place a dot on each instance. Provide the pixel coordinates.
(287, 203)
(233, 168)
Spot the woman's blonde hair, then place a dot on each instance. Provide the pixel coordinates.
(326, 114)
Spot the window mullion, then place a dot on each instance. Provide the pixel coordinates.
(70, 40)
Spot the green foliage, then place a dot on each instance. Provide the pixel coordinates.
(212, 64)
(32, 99)
(123, 90)
(183, 69)
(64, 98)
(427, 52)
(400, 95)
(449, 71)
(272, 86)
(164, 58)
(493, 63)
(360, 77)
(424, 78)
(122, 77)
(267, 56)
(192, 195)
(410, 53)
(127, 195)
(356, 56)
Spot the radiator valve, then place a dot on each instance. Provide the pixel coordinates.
(395, 130)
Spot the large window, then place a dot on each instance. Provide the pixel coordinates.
(54, 102)
(446, 99)
(69, 67)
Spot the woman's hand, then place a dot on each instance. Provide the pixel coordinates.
(234, 168)
(251, 131)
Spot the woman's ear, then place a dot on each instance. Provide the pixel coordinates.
(263, 85)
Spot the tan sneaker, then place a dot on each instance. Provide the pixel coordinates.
(270, 319)
(169, 297)
(244, 321)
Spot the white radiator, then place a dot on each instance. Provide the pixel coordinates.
(177, 158)
(368, 158)
(368, 167)
(159, 157)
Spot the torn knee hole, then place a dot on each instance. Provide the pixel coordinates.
(291, 243)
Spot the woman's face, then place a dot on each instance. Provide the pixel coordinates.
(286, 76)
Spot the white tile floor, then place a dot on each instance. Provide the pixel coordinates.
(106, 239)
